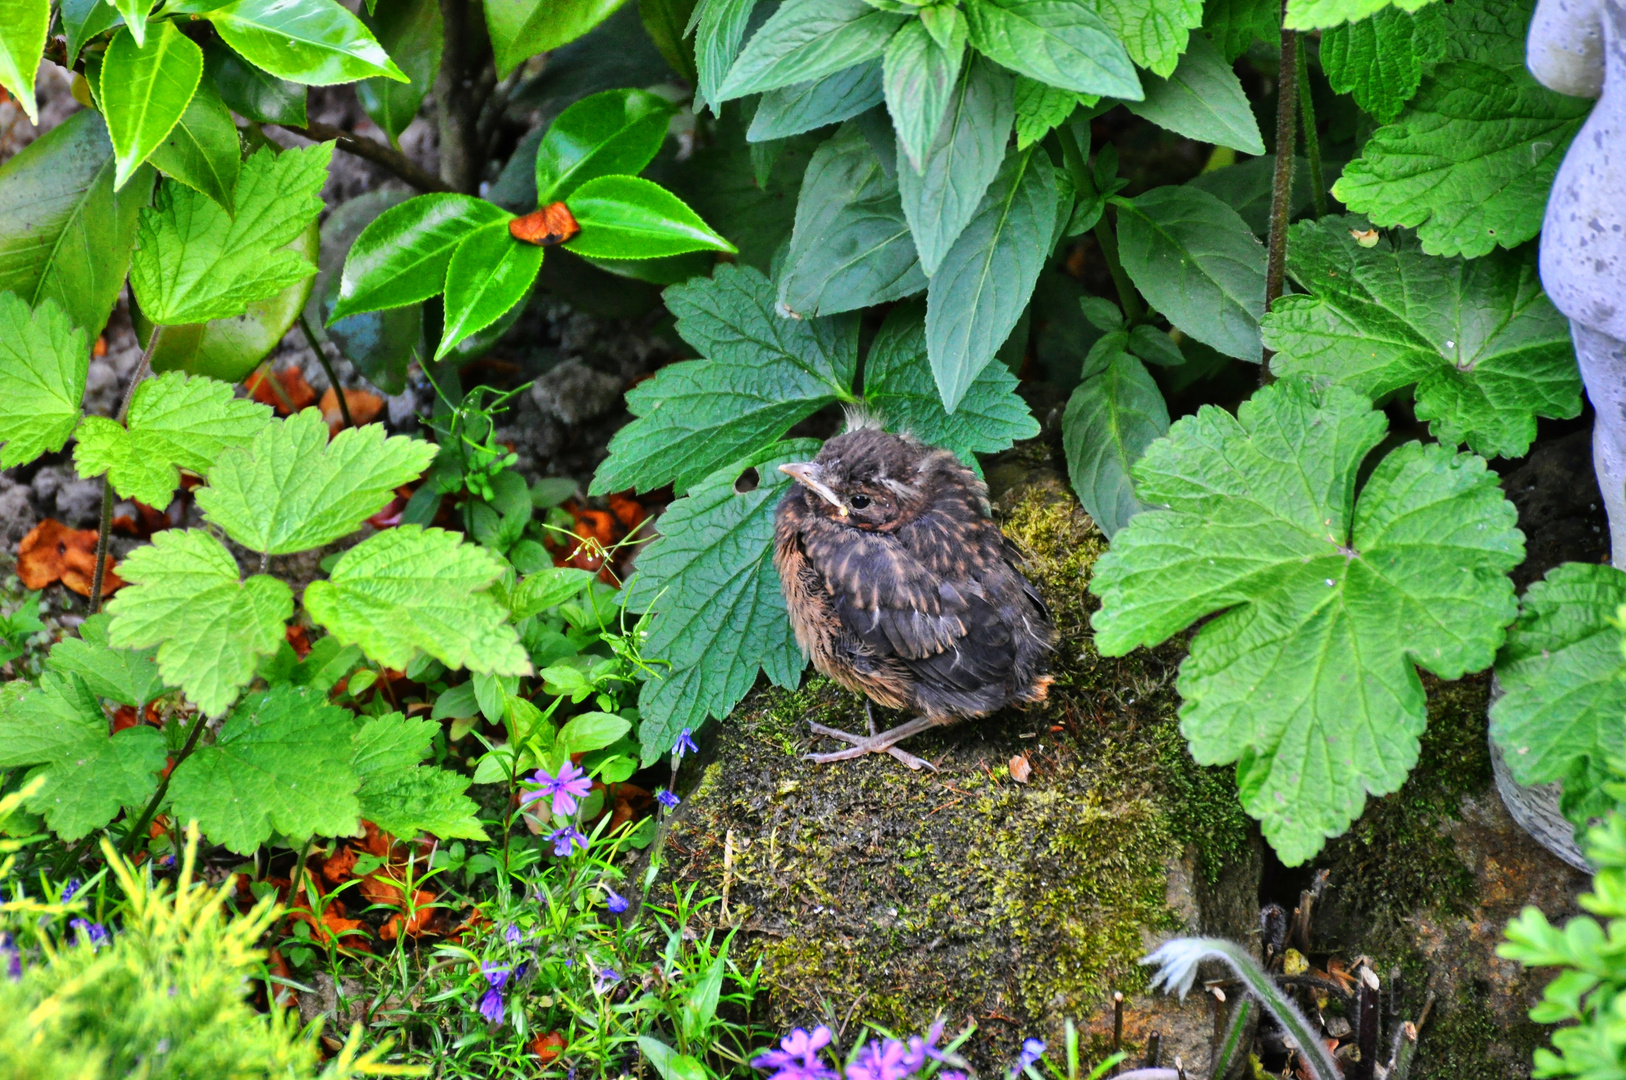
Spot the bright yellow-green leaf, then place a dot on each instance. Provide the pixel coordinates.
(43, 364)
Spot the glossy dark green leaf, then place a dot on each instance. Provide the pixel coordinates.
(920, 78)
(379, 344)
(315, 42)
(1112, 417)
(719, 28)
(1059, 42)
(250, 92)
(808, 39)
(628, 217)
(65, 234)
(202, 150)
(791, 110)
(413, 34)
(144, 91)
(401, 257)
(135, 14)
(520, 29)
(489, 273)
(23, 24)
(940, 199)
(851, 245)
(616, 131)
(83, 20)
(984, 283)
(664, 22)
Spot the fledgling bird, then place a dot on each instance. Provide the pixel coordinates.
(901, 586)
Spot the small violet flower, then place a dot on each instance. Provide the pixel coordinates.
(12, 958)
(95, 933)
(685, 744)
(1032, 1051)
(69, 889)
(564, 838)
(920, 1049)
(880, 1061)
(667, 799)
(614, 901)
(798, 1056)
(570, 785)
(511, 935)
(606, 978)
(491, 1005)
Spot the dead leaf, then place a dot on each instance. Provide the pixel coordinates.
(53, 552)
(552, 224)
(286, 391)
(299, 640)
(548, 1047)
(146, 522)
(287, 996)
(336, 869)
(100, 348)
(1020, 769)
(364, 407)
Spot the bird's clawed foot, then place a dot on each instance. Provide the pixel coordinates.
(884, 742)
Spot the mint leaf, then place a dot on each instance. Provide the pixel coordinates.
(710, 583)
(1381, 59)
(1202, 100)
(1115, 413)
(1154, 31)
(403, 797)
(761, 373)
(791, 110)
(1234, 25)
(186, 597)
(920, 75)
(1486, 349)
(43, 364)
(195, 262)
(1324, 601)
(982, 287)
(144, 90)
(1565, 683)
(1313, 14)
(411, 588)
(1470, 161)
(722, 26)
(281, 762)
(60, 729)
(898, 385)
(851, 246)
(1196, 261)
(1040, 109)
(127, 676)
(293, 490)
(1059, 42)
(805, 40)
(176, 422)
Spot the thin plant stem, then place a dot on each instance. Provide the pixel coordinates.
(370, 150)
(299, 872)
(1281, 188)
(103, 532)
(1312, 136)
(142, 822)
(332, 379)
(1128, 298)
(1238, 1037)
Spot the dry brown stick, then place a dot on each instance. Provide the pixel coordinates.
(373, 151)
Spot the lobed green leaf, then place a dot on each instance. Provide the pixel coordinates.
(43, 365)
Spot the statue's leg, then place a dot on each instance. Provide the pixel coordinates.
(1603, 369)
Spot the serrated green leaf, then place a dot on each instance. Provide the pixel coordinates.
(489, 273)
(144, 91)
(1565, 686)
(43, 364)
(1041, 108)
(403, 797)
(1061, 43)
(898, 385)
(1196, 261)
(202, 150)
(293, 490)
(1234, 25)
(546, 588)
(1203, 100)
(919, 79)
(806, 40)
(411, 588)
(176, 422)
(135, 13)
(1154, 31)
(983, 285)
(23, 26)
(604, 134)
(1486, 349)
(60, 729)
(761, 374)
(1470, 161)
(791, 110)
(186, 596)
(401, 257)
(414, 35)
(1315, 14)
(1325, 602)
(628, 217)
(719, 616)
(127, 676)
(281, 762)
(1115, 413)
(941, 198)
(1381, 59)
(195, 262)
(315, 42)
(721, 29)
(851, 246)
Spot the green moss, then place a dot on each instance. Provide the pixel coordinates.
(1466, 1041)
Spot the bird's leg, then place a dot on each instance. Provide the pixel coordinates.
(885, 741)
(869, 714)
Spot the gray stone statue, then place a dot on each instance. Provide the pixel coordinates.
(1578, 47)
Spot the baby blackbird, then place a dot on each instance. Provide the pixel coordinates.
(901, 586)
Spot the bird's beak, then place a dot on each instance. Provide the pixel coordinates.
(807, 473)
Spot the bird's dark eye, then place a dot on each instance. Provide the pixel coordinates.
(859, 501)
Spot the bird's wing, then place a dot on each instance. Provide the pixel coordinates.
(884, 595)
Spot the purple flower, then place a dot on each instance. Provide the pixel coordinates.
(571, 784)
(11, 956)
(95, 933)
(1032, 1050)
(951, 1074)
(685, 744)
(667, 799)
(511, 935)
(491, 1006)
(880, 1061)
(564, 838)
(69, 889)
(920, 1049)
(606, 978)
(798, 1056)
(496, 975)
(614, 901)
